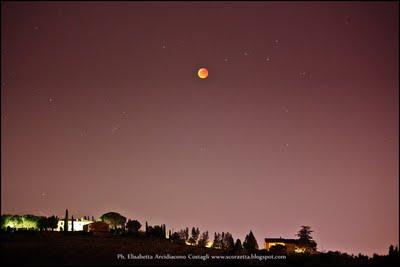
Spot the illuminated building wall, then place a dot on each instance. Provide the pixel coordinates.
(78, 224)
(291, 245)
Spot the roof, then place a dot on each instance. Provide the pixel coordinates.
(282, 240)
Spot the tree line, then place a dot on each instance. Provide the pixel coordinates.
(194, 237)
(224, 241)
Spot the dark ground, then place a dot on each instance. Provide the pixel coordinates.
(83, 249)
(55, 248)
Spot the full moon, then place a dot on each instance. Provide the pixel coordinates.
(202, 73)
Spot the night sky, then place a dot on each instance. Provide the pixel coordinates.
(296, 124)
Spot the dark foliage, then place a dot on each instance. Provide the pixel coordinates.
(133, 226)
(250, 243)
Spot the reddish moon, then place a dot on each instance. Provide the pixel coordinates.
(202, 73)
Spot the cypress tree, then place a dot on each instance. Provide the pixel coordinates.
(66, 221)
(238, 246)
(250, 242)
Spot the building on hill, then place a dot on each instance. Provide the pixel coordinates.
(289, 245)
(78, 224)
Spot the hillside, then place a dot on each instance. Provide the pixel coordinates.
(78, 248)
(49, 248)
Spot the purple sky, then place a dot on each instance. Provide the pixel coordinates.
(296, 124)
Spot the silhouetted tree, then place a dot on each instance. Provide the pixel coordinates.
(42, 224)
(52, 222)
(114, 219)
(217, 243)
(176, 238)
(195, 235)
(391, 250)
(155, 231)
(250, 242)
(305, 237)
(3, 220)
(227, 242)
(147, 227)
(186, 233)
(72, 223)
(394, 254)
(164, 231)
(93, 218)
(133, 226)
(304, 233)
(203, 240)
(238, 248)
(66, 221)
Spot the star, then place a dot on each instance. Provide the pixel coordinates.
(245, 53)
(36, 28)
(51, 99)
(268, 59)
(276, 42)
(226, 59)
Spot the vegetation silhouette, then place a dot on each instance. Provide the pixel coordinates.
(133, 226)
(66, 221)
(194, 236)
(250, 243)
(30, 229)
(203, 240)
(305, 238)
(114, 219)
(238, 248)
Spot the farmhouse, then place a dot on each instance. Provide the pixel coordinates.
(78, 224)
(289, 245)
